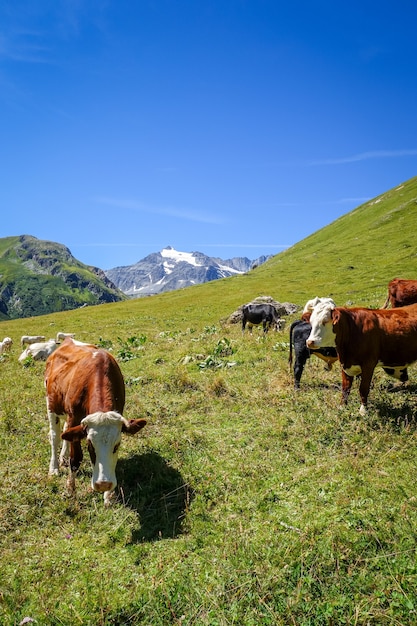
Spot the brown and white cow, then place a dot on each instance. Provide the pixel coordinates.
(85, 383)
(299, 333)
(364, 339)
(401, 292)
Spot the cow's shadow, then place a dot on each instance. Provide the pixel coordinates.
(402, 410)
(157, 493)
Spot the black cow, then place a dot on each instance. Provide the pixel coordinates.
(299, 333)
(265, 314)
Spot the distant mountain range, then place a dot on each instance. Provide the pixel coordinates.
(170, 269)
(39, 277)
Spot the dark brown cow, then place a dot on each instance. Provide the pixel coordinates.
(85, 383)
(401, 292)
(365, 338)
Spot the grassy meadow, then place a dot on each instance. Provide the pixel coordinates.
(242, 501)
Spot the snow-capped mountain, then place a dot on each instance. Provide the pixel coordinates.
(170, 269)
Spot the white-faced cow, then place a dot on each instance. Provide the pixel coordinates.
(29, 339)
(39, 351)
(61, 336)
(262, 313)
(299, 333)
(6, 345)
(401, 292)
(365, 338)
(85, 383)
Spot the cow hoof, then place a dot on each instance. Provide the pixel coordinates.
(109, 498)
(53, 471)
(362, 410)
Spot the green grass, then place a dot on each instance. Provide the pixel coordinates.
(242, 501)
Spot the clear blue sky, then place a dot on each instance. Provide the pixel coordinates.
(229, 127)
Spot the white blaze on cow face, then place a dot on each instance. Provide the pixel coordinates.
(104, 433)
(321, 325)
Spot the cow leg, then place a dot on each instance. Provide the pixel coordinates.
(75, 458)
(55, 440)
(71, 483)
(300, 361)
(346, 386)
(364, 387)
(65, 450)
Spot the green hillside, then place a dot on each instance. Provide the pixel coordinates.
(354, 257)
(39, 277)
(242, 502)
(351, 259)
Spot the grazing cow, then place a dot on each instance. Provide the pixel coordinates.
(5, 345)
(39, 351)
(365, 338)
(401, 292)
(299, 333)
(262, 313)
(29, 339)
(62, 336)
(85, 383)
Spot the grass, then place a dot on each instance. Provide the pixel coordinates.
(242, 502)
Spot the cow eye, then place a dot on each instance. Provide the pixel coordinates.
(116, 447)
(92, 452)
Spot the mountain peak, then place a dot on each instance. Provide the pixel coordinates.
(172, 269)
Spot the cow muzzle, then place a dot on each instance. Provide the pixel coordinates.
(103, 485)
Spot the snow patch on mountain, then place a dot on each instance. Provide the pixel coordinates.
(175, 255)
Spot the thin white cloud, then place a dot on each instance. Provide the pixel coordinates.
(24, 48)
(366, 156)
(197, 246)
(184, 214)
(261, 246)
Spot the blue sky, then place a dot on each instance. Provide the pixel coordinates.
(229, 127)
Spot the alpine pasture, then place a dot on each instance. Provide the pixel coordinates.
(242, 501)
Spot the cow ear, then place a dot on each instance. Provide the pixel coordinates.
(76, 433)
(335, 316)
(131, 427)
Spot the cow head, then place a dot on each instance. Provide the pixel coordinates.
(322, 325)
(103, 432)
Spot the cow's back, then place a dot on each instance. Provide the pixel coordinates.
(402, 292)
(389, 335)
(83, 379)
(257, 312)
